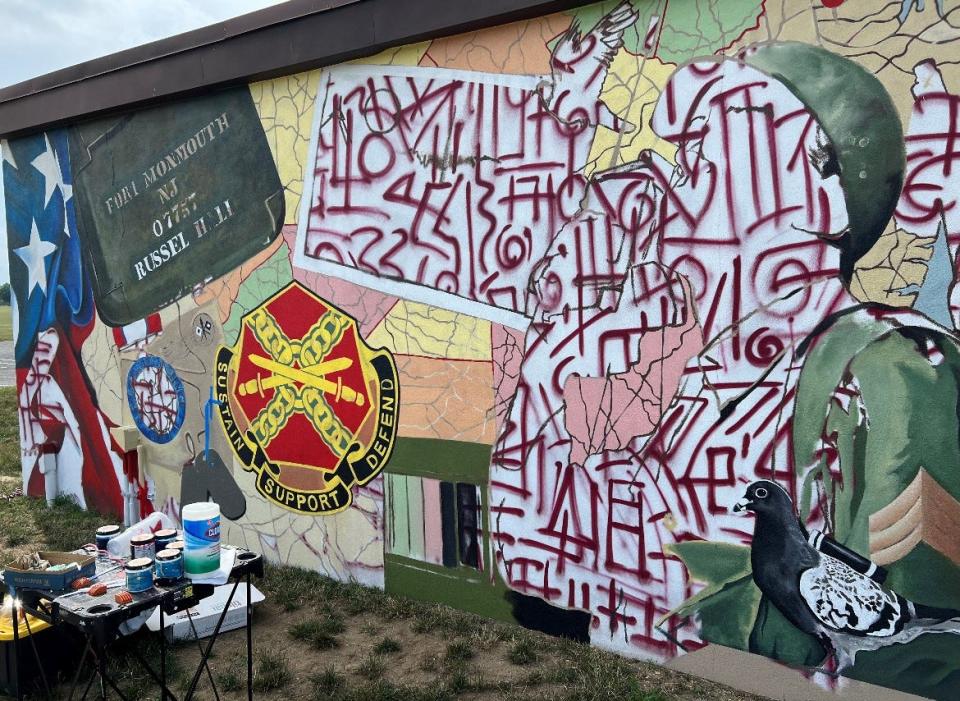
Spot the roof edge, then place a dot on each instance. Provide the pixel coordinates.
(279, 40)
(154, 50)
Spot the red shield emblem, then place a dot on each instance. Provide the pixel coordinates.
(305, 402)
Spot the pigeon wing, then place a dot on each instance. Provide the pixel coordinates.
(846, 601)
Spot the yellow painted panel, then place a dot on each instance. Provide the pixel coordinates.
(412, 328)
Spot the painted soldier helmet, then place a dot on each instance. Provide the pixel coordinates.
(856, 113)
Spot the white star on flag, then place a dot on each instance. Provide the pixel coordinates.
(8, 153)
(48, 166)
(67, 191)
(34, 256)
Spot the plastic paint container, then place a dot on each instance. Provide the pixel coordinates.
(143, 545)
(164, 537)
(104, 534)
(139, 573)
(201, 534)
(169, 566)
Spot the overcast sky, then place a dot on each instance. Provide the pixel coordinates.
(40, 36)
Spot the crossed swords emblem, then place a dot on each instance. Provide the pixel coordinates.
(304, 362)
(309, 375)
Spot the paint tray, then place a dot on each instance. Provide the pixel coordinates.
(17, 578)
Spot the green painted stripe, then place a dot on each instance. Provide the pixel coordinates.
(461, 587)
(389, 527)
(399, 516)
(453, 461)
(415, 517)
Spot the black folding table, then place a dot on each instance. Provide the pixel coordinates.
(98, 620)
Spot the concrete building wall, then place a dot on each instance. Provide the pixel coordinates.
(512, 319)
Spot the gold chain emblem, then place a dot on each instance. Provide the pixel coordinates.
(312, 417)
(309, 353)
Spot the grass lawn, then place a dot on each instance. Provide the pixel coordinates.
(316, 638)
(6, 323)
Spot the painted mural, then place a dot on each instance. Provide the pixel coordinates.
(527, 320)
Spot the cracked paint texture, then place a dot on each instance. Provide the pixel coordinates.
(224, 290)
(507, 354)
(417, 329)
(551, 226)
(607, 413)
(261, 283)
(367, 306)
(519, 48)
(348, 547)
(448, 399)
(285, 106)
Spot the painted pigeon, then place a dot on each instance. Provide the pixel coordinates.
(823, 596)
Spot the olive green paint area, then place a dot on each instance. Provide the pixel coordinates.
(172, 197)
(437, 527)
(857, 114)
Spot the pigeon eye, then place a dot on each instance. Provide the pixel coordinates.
(761, 493)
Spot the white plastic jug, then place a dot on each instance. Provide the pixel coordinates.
(119, 546)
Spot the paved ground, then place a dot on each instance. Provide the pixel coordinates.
(7, 373)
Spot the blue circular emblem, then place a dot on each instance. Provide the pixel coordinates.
(156, 397)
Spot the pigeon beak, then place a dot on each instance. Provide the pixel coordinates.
(742, 505)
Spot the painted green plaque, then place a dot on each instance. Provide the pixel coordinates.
(171, 197)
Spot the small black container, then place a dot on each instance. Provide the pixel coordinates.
(104, 534)
(143, 545)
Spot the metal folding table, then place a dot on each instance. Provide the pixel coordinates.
(98, 620)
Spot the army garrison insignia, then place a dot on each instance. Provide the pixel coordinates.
(306, 404)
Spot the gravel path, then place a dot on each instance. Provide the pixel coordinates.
(7, 371)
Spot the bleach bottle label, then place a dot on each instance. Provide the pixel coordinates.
(202, 545)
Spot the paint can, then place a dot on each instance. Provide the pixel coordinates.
(169, 566)
(104, 534)
(139, 572)
(164, 537)
(143, 545)
(201, 534)
(176, 545)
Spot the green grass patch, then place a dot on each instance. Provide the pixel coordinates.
(271, 671)
(321, 634)
(522, 652)
(326, 684)
(18, 524)
(387, 646)
(372, 667)
(64, 526)
(460, 681)
(9, 433)
(6, 323)
(383, 690)
(230, 679)
(459, 651)
(128, 671)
